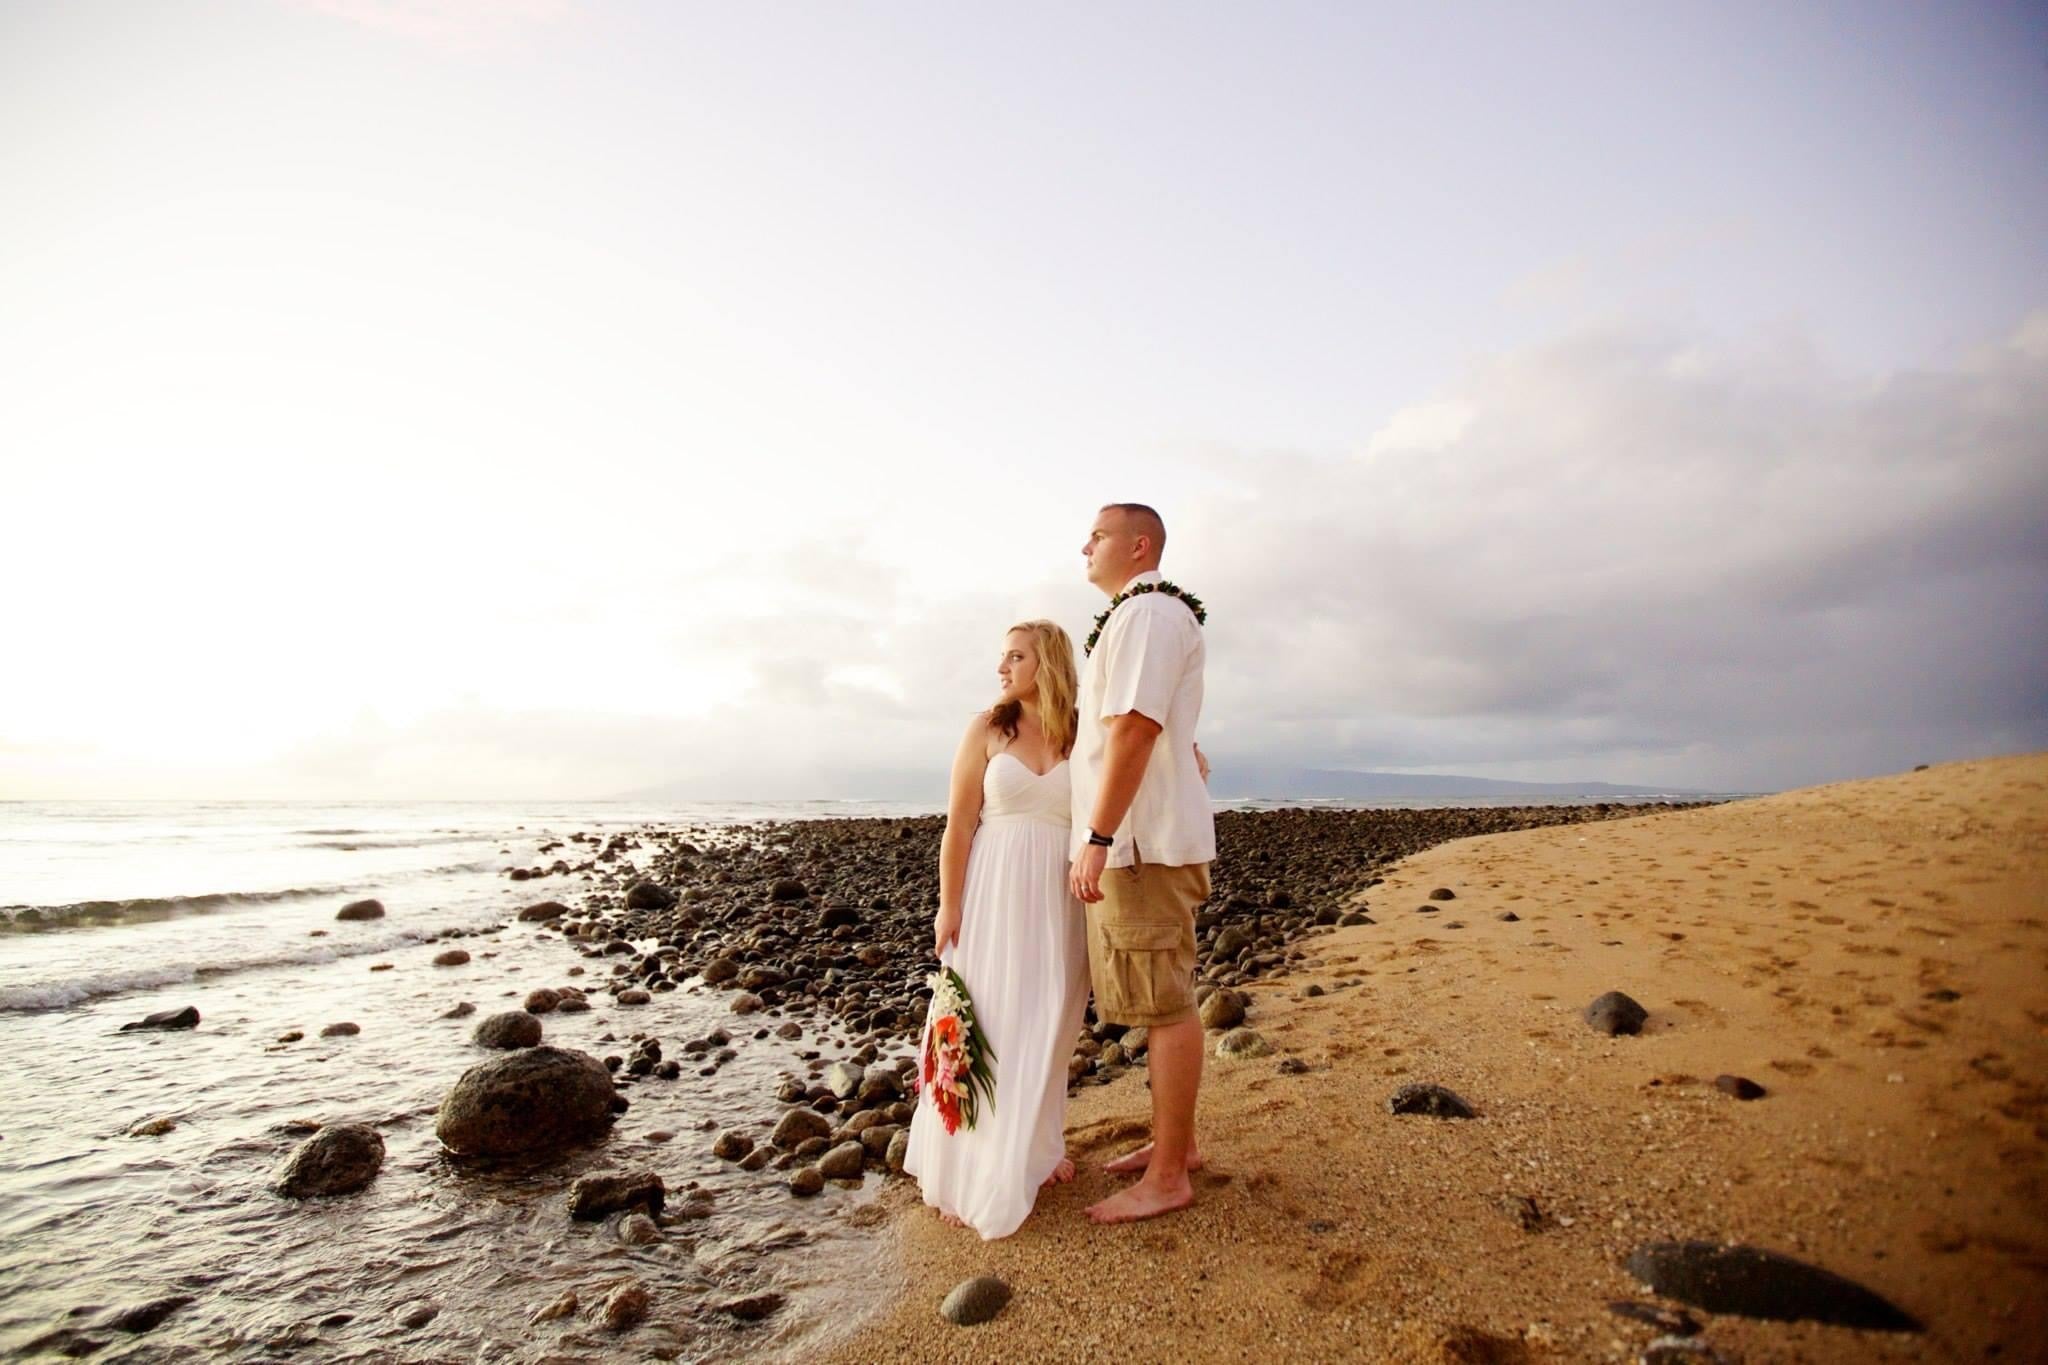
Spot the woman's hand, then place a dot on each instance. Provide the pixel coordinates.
(945, 930)
(1202, 764)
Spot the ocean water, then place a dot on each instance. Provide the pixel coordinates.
(111, 911)
(116, 910)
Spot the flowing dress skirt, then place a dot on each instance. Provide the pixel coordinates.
(1023, 954)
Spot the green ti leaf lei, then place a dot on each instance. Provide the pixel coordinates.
(1194, 604)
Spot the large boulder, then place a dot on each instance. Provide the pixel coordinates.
(370, 909)
(512, 1029)
(534, 1099)
(341, 1157)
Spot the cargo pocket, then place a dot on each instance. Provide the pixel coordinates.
(1142, 958)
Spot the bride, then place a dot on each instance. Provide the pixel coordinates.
(1009, 927)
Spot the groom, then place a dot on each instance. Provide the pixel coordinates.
(1144, 838)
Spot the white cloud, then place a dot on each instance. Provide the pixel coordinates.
(1423, 427)
(1644, 556)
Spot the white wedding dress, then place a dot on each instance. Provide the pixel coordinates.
(1023, 953)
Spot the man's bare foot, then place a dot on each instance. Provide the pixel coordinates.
(1140, 1159)
(1143, 1200)
(1061, 1174)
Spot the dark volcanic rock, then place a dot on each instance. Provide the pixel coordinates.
(1432, 1100)
(512, 1029)
(594, 1196)
(452, 957)
(1762, 1284)
(753, 1308)
(534, 1099)
(1741, 1087)
(1223, 1010)
(842, 1162)
(1614, 1013)
(359, 910)
(649, 896)
(625, 1307)
(798, 1125)
(836, 955)
(187, 1017)
(147, 1317)
(975, 1301)
(544, 910)
(339, 1158)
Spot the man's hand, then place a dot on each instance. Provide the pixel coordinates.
(1084, 877)
(945, 930)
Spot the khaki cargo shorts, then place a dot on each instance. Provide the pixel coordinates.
(1141, 942)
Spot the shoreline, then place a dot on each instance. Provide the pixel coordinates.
(1871, 953)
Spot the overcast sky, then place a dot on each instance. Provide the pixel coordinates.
(558, 398)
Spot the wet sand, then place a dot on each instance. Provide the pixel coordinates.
(1874, 954)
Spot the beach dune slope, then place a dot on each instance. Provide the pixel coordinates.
(1872, 955)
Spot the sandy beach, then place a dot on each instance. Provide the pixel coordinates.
(1872, 954)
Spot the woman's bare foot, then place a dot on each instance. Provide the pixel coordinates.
(1131, 1162)
(1061, 1174)
(948, 1219)
(1143, 1200)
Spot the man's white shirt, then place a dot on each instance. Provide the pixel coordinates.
(1149, 660)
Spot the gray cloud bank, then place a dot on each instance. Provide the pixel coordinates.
(1623, 556)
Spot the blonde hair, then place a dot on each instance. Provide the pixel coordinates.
(1059, 685)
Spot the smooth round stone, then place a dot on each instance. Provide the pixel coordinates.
(975, 1301)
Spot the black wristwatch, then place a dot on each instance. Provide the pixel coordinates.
(1100, 840)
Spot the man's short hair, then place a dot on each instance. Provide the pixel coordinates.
(1150, 523)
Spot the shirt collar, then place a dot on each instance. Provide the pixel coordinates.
(1149, 576)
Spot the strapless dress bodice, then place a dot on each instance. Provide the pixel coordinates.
(1010, 789)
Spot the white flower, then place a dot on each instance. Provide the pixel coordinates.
(945, 1000)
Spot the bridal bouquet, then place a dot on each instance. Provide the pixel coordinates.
(956, 1068)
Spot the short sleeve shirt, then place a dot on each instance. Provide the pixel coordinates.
(1149, 660)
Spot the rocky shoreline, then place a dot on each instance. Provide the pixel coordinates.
(827, 923)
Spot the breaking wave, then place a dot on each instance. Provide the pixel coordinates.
(96, 914)
(62, 993)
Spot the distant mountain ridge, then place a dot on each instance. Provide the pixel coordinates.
(1231, 781)
(1345, 784)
